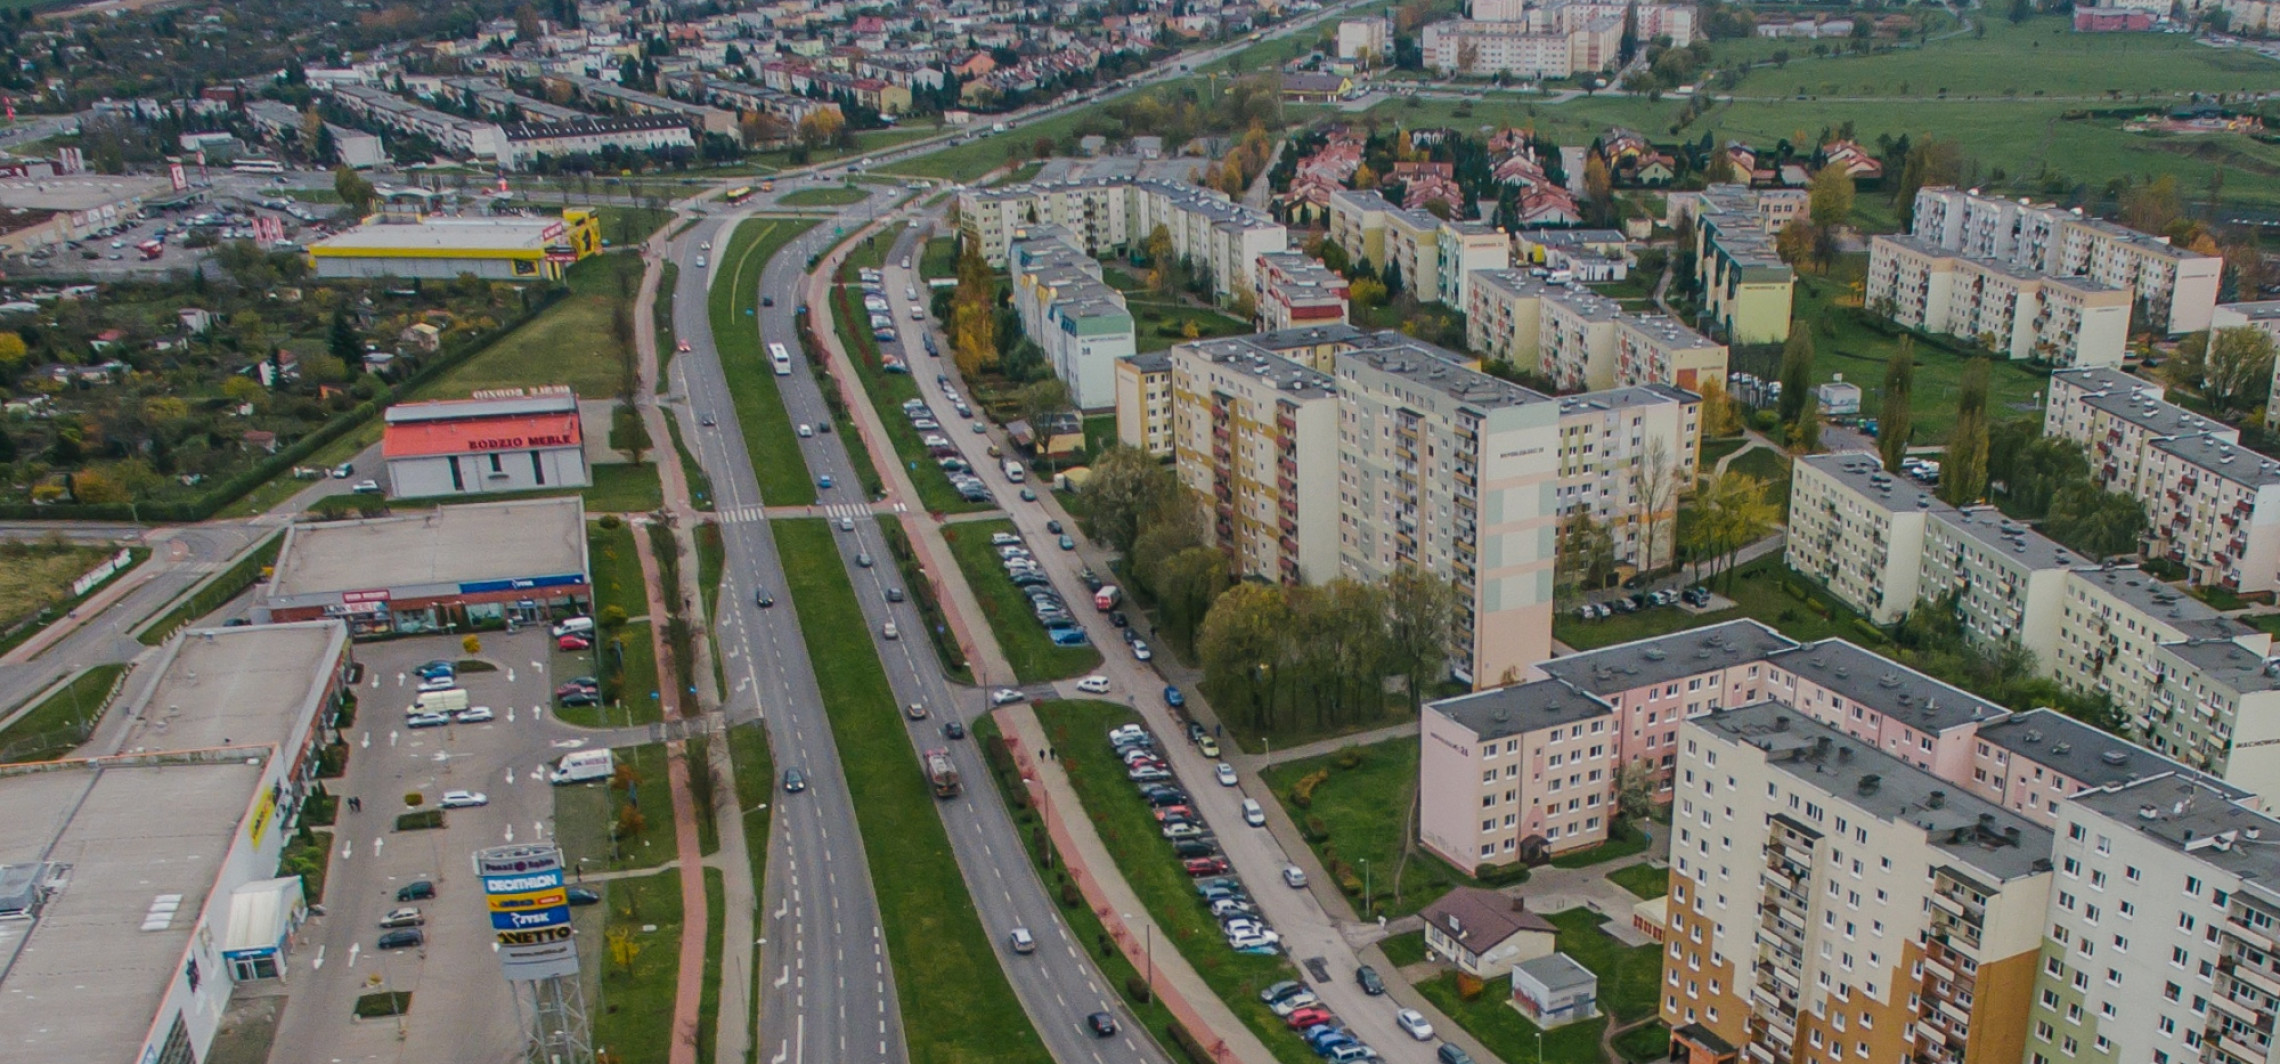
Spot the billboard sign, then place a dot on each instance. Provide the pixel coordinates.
(530, 910)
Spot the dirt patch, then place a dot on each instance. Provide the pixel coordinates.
(247, 1029)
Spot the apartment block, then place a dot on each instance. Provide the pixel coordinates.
(2012, 311)
(1656, 349)
(459, 136)
(1221, 239)
(2218, 710)
(1256, 435)
(1504, 313)
(1746, 288)
(1580, 339)
(2177, 287)
(1357, 225)
(1859, 531)
(1533, 765)
(1079, 321)
(1454, 471)
(1460, 249)
(1427, 256)
(1829, 901)
(1655, 683)
(2112, 624)
(1144, 403)
(2007, 580)
(2262, 314)
(2031, 762)
(1626, 455)
(2159, 937)
(2117, 418)
(1296, 290)
(1576, 345)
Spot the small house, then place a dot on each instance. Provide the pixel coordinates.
(1484, 933)
(261, 440)
(422, 336)
(1839, 398)
(195, 320)
(1553, 990)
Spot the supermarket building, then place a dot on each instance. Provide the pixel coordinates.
(507, 248)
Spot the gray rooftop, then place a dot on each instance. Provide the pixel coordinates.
(2227, 663)
(1662, 658)
(2103, 378)
(1887, 686)
(1437, 368)
(1624, 398)
(447, 545)
(2078, 751)
(247, 686)
(1977, 832)
(1665, 330)
(1557, 972)
(2190, 815)
(2163, 603)
(1295, 379)
(2012, 541)
(1516, 282)
(1521, 708)
(2224, 458)
(2161, 418)
(2260, 310)
(459, 409)
(1309, 336)
(84, 981)
(1864, 473)
(1151, 361)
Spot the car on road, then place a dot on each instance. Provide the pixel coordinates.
(474, 715)
(408, 938)
(1207, 746)
(1103, 1025)
(344, 471)
(863, 558)
(683, 346)
(952, 729)
(762, 598)
(707, 421)
(1294, 876)
(795, 781)
(1028, 496)
(583, 896)
(427, 720)
(846, 524)
(1054, 527)
(366, 487)
(805, 430)
(436, 668)
(915, 711)
(1253, 813)
(405, 917)
(464, 799)
(1140, 651)
(1068, 544)
(1225, 773)
(1368, 979)
(894, 594)
(823, 481)
(1414, 1022)
(1021, 940)
(980, 428)
(1173, 697)
(1005, 696)
(416, 890)
(1095, 684)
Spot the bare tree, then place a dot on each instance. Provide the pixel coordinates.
(1654, 482)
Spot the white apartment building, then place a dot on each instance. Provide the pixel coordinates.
(1221, 239)
(459, 136)
(1460, 249)
(2112, 624)
(1429, 257)
(2218, 710)
(1626, 456)
(1080, 322)
(1576, 344)
(1257, 436)
(1859, 531)
(2117, 417)
(1454, 471)
(2031, 762)
(1144, 403)
(2014, 312)
(1657, 349)
(588, 136)
(2177, 287)
(1366, 38)
(2218, 512)
(2008, 581)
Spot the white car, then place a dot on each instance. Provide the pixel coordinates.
(1414, 1022)
(805, 430)
(1253, 813)
(1140, 650)
(1294, 876)
(438, 683)
(1005, 696)
(888, 630)
(1093, 685)
(1226, 774)
(474, 715)
(1286, 1006)
(464, 799)
(1262, 940)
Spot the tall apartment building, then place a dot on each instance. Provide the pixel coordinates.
(2008, 581)
(2031, 762)
(1831, 902)
(1080, 322)
(1504, 314)
(2112, 625)
(1554, 40)
(2015, 312)
(1462, 248)
(1576, 345)
(2218, 710)
(1429, 256)
(2176, 286)
(2262, 314)
(1580, 339)
(1454, 471)
(1257, 435)
(1625, 457)
(612, 96)
(1746, 288)
(1534, 764)
(1656, 349)
(2117, 417)
(1859, 531)
(1144, 403)
(1296, 290)
(1221, 239)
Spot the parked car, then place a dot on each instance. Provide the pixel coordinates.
(416, 890)
(1294, 876)
(1253, 813)
(464, 799)
(426, 720)
(474, 715)
(1414, 1022)
(583, 896)
(407, 938)
(574, 642)
(1095, 684)
(1367, 977)
(405, 917)
(1311, 1016)
(1205, 866)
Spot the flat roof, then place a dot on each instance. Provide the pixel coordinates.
(2010, 540)
(1521, 708)
(1665, 330)
(2227, 663)
(1440, 369)
(2224, 458)
(76, 192)
(2258, 310)
(1556, 972)
(1863, 473)
(1887, 686)
(1975, 831)
(2161, 602)
(504, 233)
(1295, 379)
(456, 409)
(84, 981)
(1151, 361)
(1662, 658)
(1623, 399)
(455, 544)
(2082, 753)
(2189, 815)
(2161, 418)
(250, 685)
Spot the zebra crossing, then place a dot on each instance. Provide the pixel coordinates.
(853, 510)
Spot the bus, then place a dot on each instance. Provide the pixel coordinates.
(258, 166)
(739, 196)
(782, 358)
(151, 249)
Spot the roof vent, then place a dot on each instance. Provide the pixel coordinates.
(2062, 749)
(1935, 800)
(1869, 783)
(1653, 654)
(2115, 758)
(1888, 680)
(2149, 811)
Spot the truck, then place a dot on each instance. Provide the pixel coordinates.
(941, 773)
(582, 766)
(1106, 598)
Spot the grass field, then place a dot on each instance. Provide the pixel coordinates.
(584, 814)
(618, 582)
(968, 162)
(2041, 54)
(1628, 975)
(1078, 732)
(1644, 1044)
(940, 259)
(1644, 880)
(1504, 1031)
(1158, 326)
(1404, 949)
(36, 576)
(867, 140)
(956, 1004)
(1364, 809)
(626, 226)
(668, 341)
(62, 720)
(1757, 589)
(569, 343)
(636, 1026)
(821, 197)
(708, 996)
(692, 474)
(1027, 648)
(760, 412)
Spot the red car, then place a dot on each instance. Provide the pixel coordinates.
(1170, 811)
(1205, 866)
(574, 642)
(1308, 1017)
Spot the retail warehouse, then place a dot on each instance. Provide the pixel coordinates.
(484, 446)
(503, 248)
(441, 570)
(139, 887)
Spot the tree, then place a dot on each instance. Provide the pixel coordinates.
(1831, 196)
(1795, 242)
(1158, 249)
(13, 352)
(95, 487)
(2153, 207)
(821, 127)
(1930, 161)
(1186, 584)
(1628, 45)
(2022, 10)
(1042, 399)
(1585, 560)
(1733, 513)
(2095, 522)
(1126, 490)
(1654, 482)
(1366, 293)
(353, 189)
(1894, 413)
(1796, 374)
(1241, 647)
(1598, 188)
(341, 340)
(1420, 623)
(1634, 790)
(1805, 432)
(1721, 416)
(1963, 474)
(2237, 370)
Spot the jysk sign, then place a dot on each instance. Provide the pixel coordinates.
(530, 910)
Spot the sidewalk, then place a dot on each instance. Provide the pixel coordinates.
(695, 925)
(1326, 746)
(1182, 991)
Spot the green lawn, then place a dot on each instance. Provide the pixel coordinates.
(1405, 949)
(1644, 880)
(867, 140)
(1027, 648)
(708, 996)
(755, 790)
(1770, 466)
(585, 813)
(610, 553)
(1364, 810)
(699, 482)
(1713, 450)
(1628, 975)
(968, 162)
(1842, 345)
(821, 197)
(1644, 1044)
(886, 392)
(636, 1023)
(569, 343)
(956, 1004)
(1490, 1018)
(940, 258)
(1756, 587)
(1078, 732)
(626, 226)
(1157, 326)
(37, 576)
(62, 720)
(767, 429)
(1628, 841)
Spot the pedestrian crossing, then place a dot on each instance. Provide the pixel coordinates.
(736, 515)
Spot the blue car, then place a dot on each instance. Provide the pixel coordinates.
(1069, 637)
(1173, 697)
(823, 481)
(436, 670)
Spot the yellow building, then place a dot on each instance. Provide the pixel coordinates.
(495, 249)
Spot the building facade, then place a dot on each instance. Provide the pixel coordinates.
(2016, 313)
(484, 446)
(1254, 435)
(1859, 531)
(1626, 456)
(1220, 239)
(1746, 288)
(1144, 403)
(2176, 287)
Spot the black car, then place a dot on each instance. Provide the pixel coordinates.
(1196, 848)
(582, 698)
(1164, 798)
(1195, 730)
(416, 890)
(795, 781)
(763, 598)
(406, 938)
(1103, 1025)
(1092, 581)
(953, 730)
(1368, 977)
(1054, 527)
(1117, 618)
(767, 301)
(583, 896)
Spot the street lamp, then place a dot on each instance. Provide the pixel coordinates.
(1366, 905)
(1148, 932)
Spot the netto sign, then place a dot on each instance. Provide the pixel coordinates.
(530, 910)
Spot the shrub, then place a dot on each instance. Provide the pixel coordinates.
(1302, 792)
(629, 822)
(389, 1003)
(424, 820)
(471, 644)
(412, 799)
(1070, 897)
(1136, 988)
(612, 617)
(610, 521)
(1316, 830)
(1350, 757)
(1189, 1047)
(1469, 986)
(1505, 876)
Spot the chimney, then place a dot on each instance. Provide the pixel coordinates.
(1519, 904)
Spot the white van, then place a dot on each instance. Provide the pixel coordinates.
(574, 626)
(1014, 472)
(582, 766)
(449, 701)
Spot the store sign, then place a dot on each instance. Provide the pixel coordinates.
(517, 443)
(521, 583)
(530, 910)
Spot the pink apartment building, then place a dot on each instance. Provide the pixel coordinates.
(1517, 773)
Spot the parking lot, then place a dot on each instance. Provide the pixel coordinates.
(461, 1008)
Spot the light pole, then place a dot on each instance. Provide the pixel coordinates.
(1366, 905)
(1148, 938)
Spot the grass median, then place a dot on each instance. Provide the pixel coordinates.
(636, 968)
(1078, 731)
(62, 720)
(956, 1003)
(886, 392)
(732, 305)
(1024, 641)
